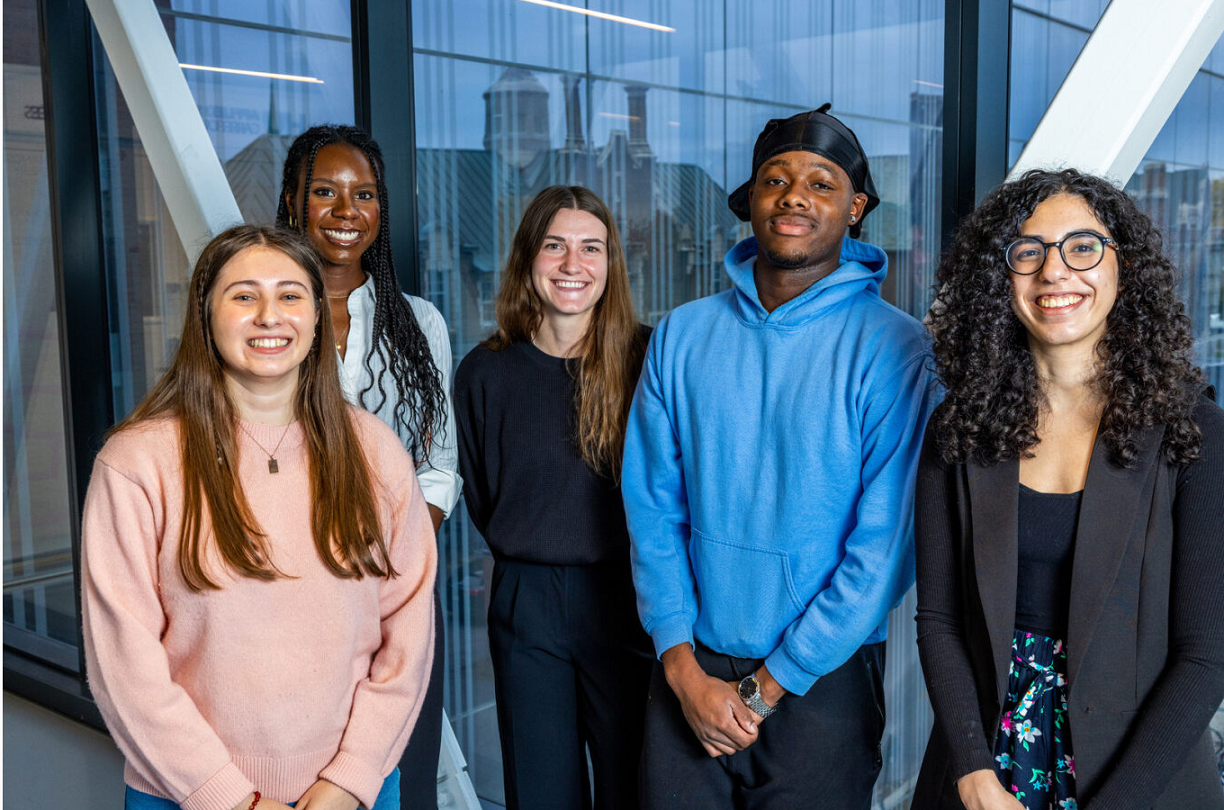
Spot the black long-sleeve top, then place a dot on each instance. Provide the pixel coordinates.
(1189, 689)
(525, 484)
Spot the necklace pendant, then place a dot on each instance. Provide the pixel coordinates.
(272, 468)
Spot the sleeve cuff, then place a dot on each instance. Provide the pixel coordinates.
(788, 672)
(440, 488)
(355, 776)
(225, 789)
(670, 631)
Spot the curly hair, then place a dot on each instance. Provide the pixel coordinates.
(397, 337)
(1144, 374)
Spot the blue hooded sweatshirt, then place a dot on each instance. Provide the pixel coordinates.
(769, 468)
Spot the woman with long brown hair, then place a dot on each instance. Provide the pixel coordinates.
(541, 408)
(257, 559)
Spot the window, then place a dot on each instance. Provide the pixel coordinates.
(40, 611)
(512, 97)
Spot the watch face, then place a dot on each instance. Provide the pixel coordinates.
(748, 687)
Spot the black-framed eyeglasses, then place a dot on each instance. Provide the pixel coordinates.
(1082, 250)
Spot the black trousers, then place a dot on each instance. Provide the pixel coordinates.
(419, 764)
(820, 751)
(571, 665)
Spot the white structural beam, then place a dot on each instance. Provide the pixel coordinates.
(1128, 78)
(171, 130)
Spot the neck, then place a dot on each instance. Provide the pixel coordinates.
(342, 279)
(263, 404)
(1067, 376)
(559, 335)
(777, 285)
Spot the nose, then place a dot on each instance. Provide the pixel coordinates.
(572, 264)
(795, 197)
(343, 207)
(1054, 269)
(269, 313)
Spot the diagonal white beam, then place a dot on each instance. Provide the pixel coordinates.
(171, 130)
(1128, 78)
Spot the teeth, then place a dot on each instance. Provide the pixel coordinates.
(342, 236)
(1057, 302)
(570, 285)
(268, 343)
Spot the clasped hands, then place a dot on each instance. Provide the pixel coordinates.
(713, 708)
(322, 795)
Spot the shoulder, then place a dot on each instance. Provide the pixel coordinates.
(1210, 420)
(143, 448)
(426, 313)
(898, 329)
(383, 449)
(478, 365)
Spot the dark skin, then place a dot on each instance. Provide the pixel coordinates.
(801, 205)
(342, 222)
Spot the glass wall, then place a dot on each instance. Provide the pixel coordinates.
(39, 594)
(657, 113)
(1180, 182)
(294, 61)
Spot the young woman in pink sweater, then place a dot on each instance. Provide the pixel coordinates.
(258, 561)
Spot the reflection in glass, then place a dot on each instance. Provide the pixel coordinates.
(661, 126)
(251, 121)
(39, 595)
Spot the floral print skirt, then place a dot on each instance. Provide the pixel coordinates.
(1033, 757)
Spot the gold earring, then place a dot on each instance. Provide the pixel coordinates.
(292, 221)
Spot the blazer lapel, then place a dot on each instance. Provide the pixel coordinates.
(994, 497)
(1112, 496)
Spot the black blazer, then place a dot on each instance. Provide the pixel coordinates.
(1118, 640)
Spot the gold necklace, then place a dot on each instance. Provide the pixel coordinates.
(273, 467)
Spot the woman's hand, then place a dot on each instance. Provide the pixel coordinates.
(981, 790)
(264, 804)
(324, 795)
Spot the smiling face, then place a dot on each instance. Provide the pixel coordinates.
(570, 270)
(344, 212)
(1059, 306)
(262, 318)
(801, 204)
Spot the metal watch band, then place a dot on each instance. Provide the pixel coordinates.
(760, 706)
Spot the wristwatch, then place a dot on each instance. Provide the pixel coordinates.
(750, 693)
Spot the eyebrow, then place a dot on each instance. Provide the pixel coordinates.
(814, 164)
(588, 240)
(317, 179)
(252, 282)
(1041, 237)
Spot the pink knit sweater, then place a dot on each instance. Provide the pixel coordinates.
(264, 686)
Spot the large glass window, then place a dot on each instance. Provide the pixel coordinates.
(1179, 183)
(658, 114)
(39, 594)
(260, 74)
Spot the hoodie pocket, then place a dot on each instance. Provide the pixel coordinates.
(744, 587)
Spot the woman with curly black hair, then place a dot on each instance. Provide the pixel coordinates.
(394, 350)
(1068, 518)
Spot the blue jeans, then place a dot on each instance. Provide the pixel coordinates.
(388, 797)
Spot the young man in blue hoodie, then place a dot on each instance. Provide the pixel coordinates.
(768, 482)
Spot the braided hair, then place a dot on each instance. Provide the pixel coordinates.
(397, 337)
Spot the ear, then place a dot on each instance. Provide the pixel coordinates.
(856, 207)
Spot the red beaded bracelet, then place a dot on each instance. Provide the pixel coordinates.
(255, 802)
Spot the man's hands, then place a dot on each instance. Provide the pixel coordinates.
(981, 790)
(712, 707)
(324, 795)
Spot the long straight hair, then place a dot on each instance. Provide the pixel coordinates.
(613, 346)
(343, 520)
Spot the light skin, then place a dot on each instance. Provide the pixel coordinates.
(1064, 312)
(569, 275)
(343, 222)
(263, 323)
(801, 205)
